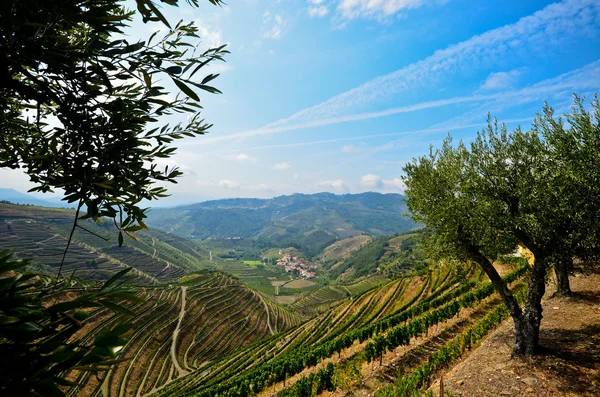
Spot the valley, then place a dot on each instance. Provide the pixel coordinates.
(233, 316)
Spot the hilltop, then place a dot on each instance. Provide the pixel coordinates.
(309, 222)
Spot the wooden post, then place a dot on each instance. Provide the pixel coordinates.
(442, 385)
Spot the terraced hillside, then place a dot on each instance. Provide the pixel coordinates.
(340, 348)
(180, 329)
(40, 234)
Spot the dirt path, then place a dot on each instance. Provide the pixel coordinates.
(268, 313)
(48, 239)
(180, 370)
(153, 242)
(569, 361)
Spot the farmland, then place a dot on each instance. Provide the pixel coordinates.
(361, 324)
(209, 325)
(182, 328)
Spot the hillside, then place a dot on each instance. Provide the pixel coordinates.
(40, 235)
(361, 324)
(569, 364)
(179, 329)
(354, 258)
(308, 222)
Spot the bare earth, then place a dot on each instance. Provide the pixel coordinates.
(299, 284)
(568, 365)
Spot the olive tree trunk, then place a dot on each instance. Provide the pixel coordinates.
(562, 266)
(527, 320)
(527, 327)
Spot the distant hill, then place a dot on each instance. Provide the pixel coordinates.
(16, 197)
(309, 222)
(40, 234)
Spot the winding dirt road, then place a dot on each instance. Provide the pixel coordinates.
(176, 334)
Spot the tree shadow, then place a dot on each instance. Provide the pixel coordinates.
(573, 356)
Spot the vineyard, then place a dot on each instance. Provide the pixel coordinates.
(180, 329)
(203, 333)
(416, 323)
(40, 235)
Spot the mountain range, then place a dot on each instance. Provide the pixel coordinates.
(309, 222)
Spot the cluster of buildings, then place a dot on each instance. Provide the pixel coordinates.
(293, 265)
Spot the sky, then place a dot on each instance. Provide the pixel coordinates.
(337, 95)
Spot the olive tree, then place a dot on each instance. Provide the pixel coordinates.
(508, 189)
(82, 110)
(81, 106)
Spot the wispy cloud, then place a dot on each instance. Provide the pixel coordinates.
(242, 158)
(350, 149)
(351, 9)
(501, 80)
(318, 11)
(549, 28)
(229, 184)
(587, 77)
(336, 184)
(282, 166)
(274, 26)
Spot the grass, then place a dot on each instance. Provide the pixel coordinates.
(253, 263)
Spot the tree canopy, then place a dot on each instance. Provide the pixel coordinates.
(81, 105)
(537, 188)
(82, 110)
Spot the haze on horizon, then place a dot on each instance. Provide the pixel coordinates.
(337, 95)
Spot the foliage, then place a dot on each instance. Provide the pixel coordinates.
(79, 104)
(79, 111)
(36, 329)
(294, 361)
(410, 384)
(311, 385)
(508, 189)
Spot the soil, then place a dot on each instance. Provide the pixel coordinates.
(299, 284)
(568, 363)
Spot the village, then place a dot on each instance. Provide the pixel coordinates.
(295, 266)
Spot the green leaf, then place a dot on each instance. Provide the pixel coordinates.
(157, 13)
(120, 239)
(116, 276)
(174, 69)
(147, 79)
(187, 90)
(117, 308)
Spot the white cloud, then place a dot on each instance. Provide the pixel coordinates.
(501, 80)
(242, 158)
(171, 163)
(336, 184)
(228, 184)
(317, 11)
(316, 2)
(371, 181)
(282, 166)
(350, 149)
(551, 26)
(274, 27)
(351, 9)
(262, 187)
(395, 183)
(211, 37)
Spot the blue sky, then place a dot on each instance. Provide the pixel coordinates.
(336, 95)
